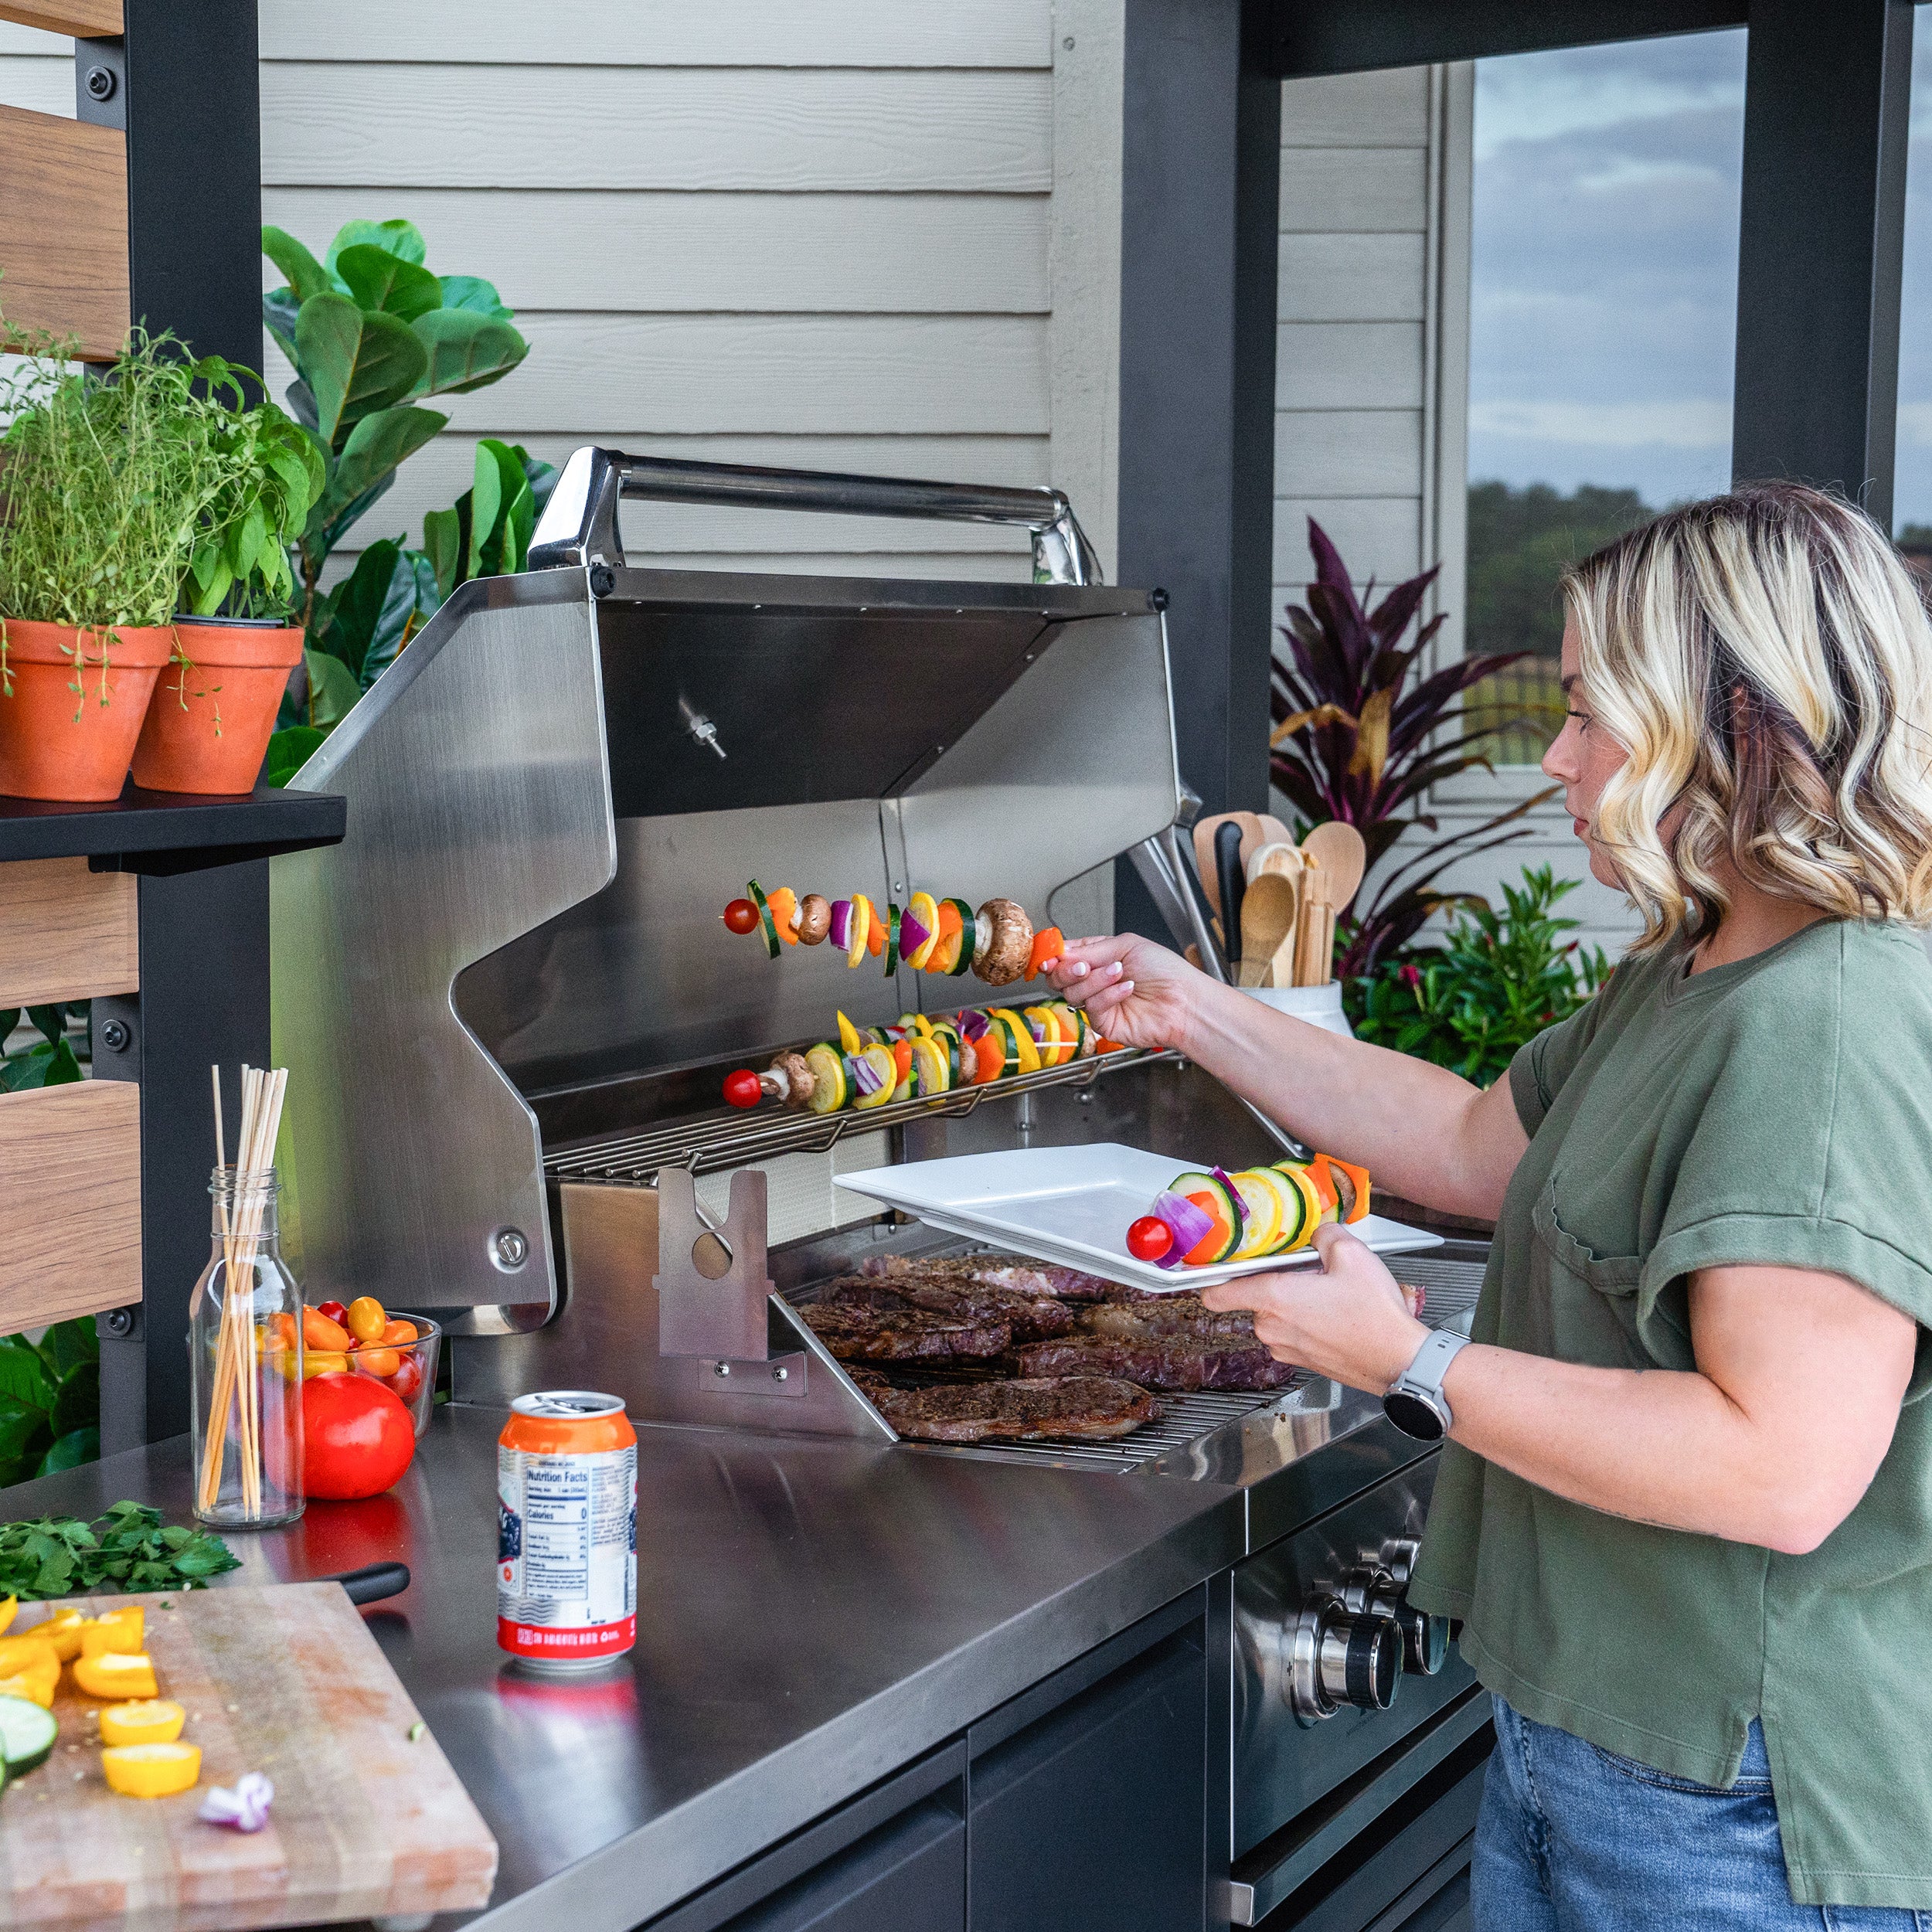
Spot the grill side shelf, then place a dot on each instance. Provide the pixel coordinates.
(713, 1141)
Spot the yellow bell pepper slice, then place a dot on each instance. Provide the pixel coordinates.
(36, 1680)
(62, 1630)
(151, 1770)
(152, 1720)
(7, 1610)
(114, 1630)
(116, 1676)
(29, 1647)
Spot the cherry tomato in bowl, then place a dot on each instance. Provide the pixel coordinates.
(741, 917)
(358, 1437)
(1149, 1238)
(335, 1311)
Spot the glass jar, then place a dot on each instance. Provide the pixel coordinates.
(245, 1363)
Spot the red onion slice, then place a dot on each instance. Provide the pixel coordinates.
(973, 1025)
(864, 1075)
(912, 935)
(1190, 1224)
(1234, 1194)
(841, 933)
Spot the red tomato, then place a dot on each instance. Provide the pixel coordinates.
(1149, 1238)
(408, 1377)
(741, 917)
(335, 1311)
(741, 1089)
(357, 1436)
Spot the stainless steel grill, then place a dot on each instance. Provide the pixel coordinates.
(717, 1142)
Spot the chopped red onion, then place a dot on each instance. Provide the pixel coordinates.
(245, 1808)
(864, 1075)
(1190, 1226)
(1234, 1194)
(973, 1025)
(841, 934)
(912, 935)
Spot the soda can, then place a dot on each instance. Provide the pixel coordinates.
(567, 1568)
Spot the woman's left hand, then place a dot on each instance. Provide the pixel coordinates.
(1348, 1321)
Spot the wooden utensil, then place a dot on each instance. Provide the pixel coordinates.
(1338, 848)
(369, 1820)
(1252, 838)
(1315, 945)
(1267, 917)
(1275, 832)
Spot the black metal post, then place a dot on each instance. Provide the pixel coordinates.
(1828, 97)
(1200, 212)
(183, 81)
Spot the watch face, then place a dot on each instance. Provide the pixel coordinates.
(1413, 1416)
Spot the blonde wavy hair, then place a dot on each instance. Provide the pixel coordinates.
(1766, 658)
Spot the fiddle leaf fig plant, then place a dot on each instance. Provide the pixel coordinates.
(371, 332)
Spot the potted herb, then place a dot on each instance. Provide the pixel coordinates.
(259, 473)
(98, 502)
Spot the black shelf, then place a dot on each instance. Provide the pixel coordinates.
(161, 833)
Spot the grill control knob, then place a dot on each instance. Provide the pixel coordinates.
(1339, 1658)
(1425, 1639)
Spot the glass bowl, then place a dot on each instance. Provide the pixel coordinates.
(409, 1368)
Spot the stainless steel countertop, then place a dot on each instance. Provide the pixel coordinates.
(812, 1616)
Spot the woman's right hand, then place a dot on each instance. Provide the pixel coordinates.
(1134, 992)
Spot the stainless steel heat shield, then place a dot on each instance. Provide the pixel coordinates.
(555, 790)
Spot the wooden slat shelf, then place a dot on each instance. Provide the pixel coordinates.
(165, 832)
(63, 230)
(65, 933)
(85, 19)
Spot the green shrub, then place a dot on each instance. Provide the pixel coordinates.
(1495, 983)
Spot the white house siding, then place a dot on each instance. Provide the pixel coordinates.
(832, 235)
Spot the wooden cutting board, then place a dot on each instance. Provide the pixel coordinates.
(285, 1680)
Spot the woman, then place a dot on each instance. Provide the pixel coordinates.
(1685, 1510)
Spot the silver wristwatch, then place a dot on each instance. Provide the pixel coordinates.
(1417, 1405)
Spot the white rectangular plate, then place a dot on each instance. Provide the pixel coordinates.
(1073, 1206)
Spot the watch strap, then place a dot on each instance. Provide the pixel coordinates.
(1416, 1397)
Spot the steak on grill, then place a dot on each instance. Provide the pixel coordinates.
(1013, 1271)
(1031, 1318)
(1174, 1362)
(1173, 1314)
(904, 1335)
(1086, 1407)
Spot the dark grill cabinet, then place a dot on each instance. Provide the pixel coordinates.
(1079, 1806)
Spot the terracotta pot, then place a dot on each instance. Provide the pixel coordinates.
(58, 739)
(209, 720)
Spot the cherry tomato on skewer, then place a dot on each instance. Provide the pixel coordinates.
(1149, 1238)
(740, 916)
(741, 1089)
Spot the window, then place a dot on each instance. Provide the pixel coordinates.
(1602, 318)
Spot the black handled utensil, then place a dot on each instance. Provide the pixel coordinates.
(372, 1583)
(1227, 870)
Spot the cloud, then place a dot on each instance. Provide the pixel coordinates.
(1696, 423)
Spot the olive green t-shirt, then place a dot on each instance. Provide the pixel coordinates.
(1777, 1110)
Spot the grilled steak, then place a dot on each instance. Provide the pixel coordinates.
(1174, 1315)
(1174, 1362)
(1031, 1318)
(1088, 1407)
(1013, 1271)
(903, 1334)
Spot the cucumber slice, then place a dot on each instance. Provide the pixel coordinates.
(767, 926)
(27, 1735)
(1227, 1210)
(964, 963)
(892, 939)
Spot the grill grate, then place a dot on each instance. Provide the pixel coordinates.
(716, 1140)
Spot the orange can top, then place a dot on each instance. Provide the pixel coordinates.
(565, 1422)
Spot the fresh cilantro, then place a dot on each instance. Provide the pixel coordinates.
(128, 1548)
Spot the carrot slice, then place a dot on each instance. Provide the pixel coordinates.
(990, 1049)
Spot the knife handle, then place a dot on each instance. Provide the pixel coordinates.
(372, 1583)
(1227, 870)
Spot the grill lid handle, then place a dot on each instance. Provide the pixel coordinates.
(579, 525)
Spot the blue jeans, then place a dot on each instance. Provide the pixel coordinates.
(1572, 1838)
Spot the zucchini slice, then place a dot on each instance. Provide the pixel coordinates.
(27, 1735)
(1208, 1194)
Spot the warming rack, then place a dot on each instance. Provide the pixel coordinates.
(717, 1141)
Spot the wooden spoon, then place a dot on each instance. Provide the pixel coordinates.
(1338, 848)
(1267, 916)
